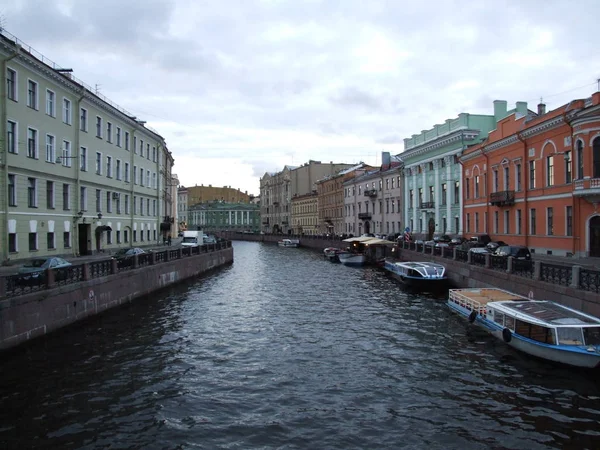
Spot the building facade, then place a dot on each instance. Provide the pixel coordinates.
(182, 208)
(373, 200)
(223, 216)
(207, 194)
(433, 174)
(535, 180)
(79, 174)
(305, 214)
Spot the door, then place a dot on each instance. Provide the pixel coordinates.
(85, 242)
(430, 228)
(367, 227)
(595, 236)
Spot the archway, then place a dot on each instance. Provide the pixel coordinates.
(594, 233)
(367, 227)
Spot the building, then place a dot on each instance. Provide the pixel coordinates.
(223, 216)
(432, 173)
(535, 180)
(182, 208)
(373, 200)
(277, 190)
(330, 191)
(79, 173)
(205, 194)
(305, 214)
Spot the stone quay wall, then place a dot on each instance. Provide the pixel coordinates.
(25, 317)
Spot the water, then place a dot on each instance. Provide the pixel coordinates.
(284, 349)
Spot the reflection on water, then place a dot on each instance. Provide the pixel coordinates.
(284, 349)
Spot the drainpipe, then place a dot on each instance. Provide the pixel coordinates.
(487, 203)
(75, 231)
(4, 154)
(576, 203)
(525, 191)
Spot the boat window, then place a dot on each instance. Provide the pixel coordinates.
(592, 335)
(535, 332)
(499, 318)
(509, 322)
(570, 336)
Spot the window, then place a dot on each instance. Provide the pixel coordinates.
(148, 206)
(141, 206)
(108, 202)
(109, 131)
(83, 198)
(12, 243)
(50, 103)
(141, 148)
(533, 221)
(444, 224)
(519, 227)
(11, 137)
(67, 111)
(118, 136)
(118, 236)
(109, 237)
(126, 205)
(154, 160)
(420, 197)
(109, 166)
(506, 222)
(518, 177)
(506, 178)
(579, 160)
(154, 180)
(596, 158)
(134, 235)
(141, 176)
(118, 201)
(148, 179)
(83, 159)
(550, 170)
(135, 206)
(467, 188)
(32, 192)
(99, 126)
(468, 222)
(32, 94)
(127, 140)
(568, 168)
(33, 242)
(456, 194)
(32, 143)
(569, 216)
(125, 236)
(50, 149)
(495, 222)
(410, 199)
(135, 144)
(98, 200)
(83, 121)
(11, 84)
(476, 222)
(550, 221)
(50, 241)
(495, 181)
(126, 172)
(147, 151)
(531, 174)
(98, 163)
(457, 224)
(66, 153)
(12, 190)
(66, 197)
(118, 169)
(135, 175)
(67, 239)
(50, 194)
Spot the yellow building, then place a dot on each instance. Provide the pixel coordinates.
(305, 214)
(203, 194)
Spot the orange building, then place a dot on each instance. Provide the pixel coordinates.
(535, 180)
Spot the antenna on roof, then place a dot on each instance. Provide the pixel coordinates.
(97, 88)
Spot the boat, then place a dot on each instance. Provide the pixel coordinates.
(331, 253)
(540, 328)
(424, 276)
(288, 243)
(351, 258)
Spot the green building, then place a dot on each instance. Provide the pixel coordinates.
(222, 216)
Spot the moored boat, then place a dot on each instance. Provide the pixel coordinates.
(331, 253)
(288, 243)
(539, 328)
(351, 259)
(425, 276)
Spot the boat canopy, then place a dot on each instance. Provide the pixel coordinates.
(372, 241)
(358, 239)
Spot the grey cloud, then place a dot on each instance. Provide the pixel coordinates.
(355, 97)
(390, 139)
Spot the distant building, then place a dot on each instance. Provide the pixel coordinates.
(305, 214)
(203, 194)
(223, 216)
(182, 208)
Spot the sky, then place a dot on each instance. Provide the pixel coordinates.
(243, 87)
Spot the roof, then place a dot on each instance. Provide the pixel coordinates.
(549, 312)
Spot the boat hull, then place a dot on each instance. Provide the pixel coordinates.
(569, 355)
(418, 283)
(352, 259)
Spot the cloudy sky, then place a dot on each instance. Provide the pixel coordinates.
(242, 87)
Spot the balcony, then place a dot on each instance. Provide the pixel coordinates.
(265, 222)
(427, 205)
(371, 193)
(364, 216)
(589, 189)
(502, 198)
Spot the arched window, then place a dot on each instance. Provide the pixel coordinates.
(596, 153)
(579, 160)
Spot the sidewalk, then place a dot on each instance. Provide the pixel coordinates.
(14, 267)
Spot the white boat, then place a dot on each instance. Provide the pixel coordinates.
(331, 253)
(351, 259)
(539, 328)
(425, 276)
(288, 243)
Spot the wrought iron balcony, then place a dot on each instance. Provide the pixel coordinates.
(364, 216)
(427, 205)
(502, 198)
(589, 189)
(371, 193)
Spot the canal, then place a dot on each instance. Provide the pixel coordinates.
(284, 349)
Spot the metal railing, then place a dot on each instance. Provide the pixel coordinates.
(556, 274)
(589, 280)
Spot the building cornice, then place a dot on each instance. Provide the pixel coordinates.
(457, 136)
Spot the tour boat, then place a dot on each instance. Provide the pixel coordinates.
(331, 253)
(288, 243)
(351, 259)
(424, 276)
(539, 328)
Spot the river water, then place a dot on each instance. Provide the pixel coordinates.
(284, 349)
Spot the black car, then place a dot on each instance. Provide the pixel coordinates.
(480, 241)
(444, 238)
(125, 255)
(516, 251)
(493, 246)
(454, 242)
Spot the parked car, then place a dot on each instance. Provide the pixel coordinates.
(444, 238)
(493, 246)
(34, 271)
(516, 251)
(482, 250)
(456, 241)
(125, 255)
(480, 241)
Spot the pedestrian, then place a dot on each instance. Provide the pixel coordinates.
(169, 240)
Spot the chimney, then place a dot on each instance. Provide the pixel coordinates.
(500, 109)
(385, 158)
(541, 108)
(521, 109)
